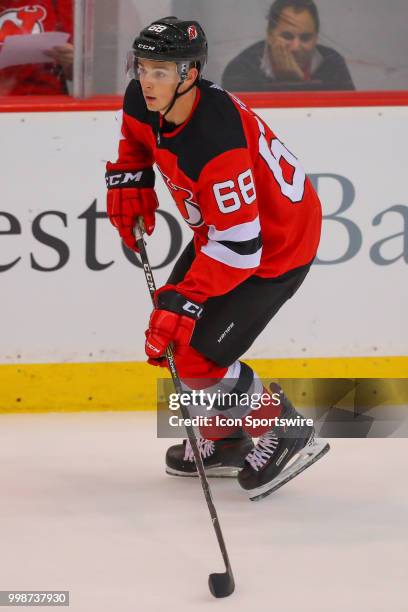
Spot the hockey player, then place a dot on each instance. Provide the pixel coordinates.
(256, 221)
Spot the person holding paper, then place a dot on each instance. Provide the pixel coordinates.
(21, 17)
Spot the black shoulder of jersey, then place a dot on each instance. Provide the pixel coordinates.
(134, 105)
(215, 128)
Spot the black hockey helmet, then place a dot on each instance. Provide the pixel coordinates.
(173, 40)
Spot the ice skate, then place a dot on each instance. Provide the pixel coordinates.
(281, 454)
(221, 458)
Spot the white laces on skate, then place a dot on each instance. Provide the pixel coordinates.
(263, 450)
(206, 448)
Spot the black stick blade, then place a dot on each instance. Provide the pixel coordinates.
(221, 585)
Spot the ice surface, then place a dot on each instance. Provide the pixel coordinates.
(85, 506)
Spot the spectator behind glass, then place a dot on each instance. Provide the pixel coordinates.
(23, 17)
(290, 58)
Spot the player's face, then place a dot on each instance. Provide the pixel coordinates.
(158, 81)
(296, 32)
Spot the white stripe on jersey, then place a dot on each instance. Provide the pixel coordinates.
(221, 253)
(243, 232)
(236, 233)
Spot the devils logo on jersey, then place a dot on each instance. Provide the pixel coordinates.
(183, 197)
(25, 20)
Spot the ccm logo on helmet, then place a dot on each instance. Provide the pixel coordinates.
(192, 32)
(147, 47)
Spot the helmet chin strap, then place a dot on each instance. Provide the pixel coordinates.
(178, 95)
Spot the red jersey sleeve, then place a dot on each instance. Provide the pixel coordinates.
(134, 145)
(231, 251)
(136, 138)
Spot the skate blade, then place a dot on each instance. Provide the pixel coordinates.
(225, 471)
(312, 452)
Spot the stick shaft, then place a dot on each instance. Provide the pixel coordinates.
(184, 410)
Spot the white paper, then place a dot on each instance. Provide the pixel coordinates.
(29, 48)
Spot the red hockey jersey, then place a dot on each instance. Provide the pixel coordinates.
(243, 193)
(24, 17)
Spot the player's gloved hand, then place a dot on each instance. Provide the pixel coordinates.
(130, 195)
(173, 320)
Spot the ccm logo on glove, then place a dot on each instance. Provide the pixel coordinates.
(124, 178)
(130, 196)
(193, 309)
(128, 178)
(173, 320)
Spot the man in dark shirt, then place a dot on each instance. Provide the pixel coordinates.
(290, 58)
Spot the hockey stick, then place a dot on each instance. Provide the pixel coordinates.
(221, 584)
